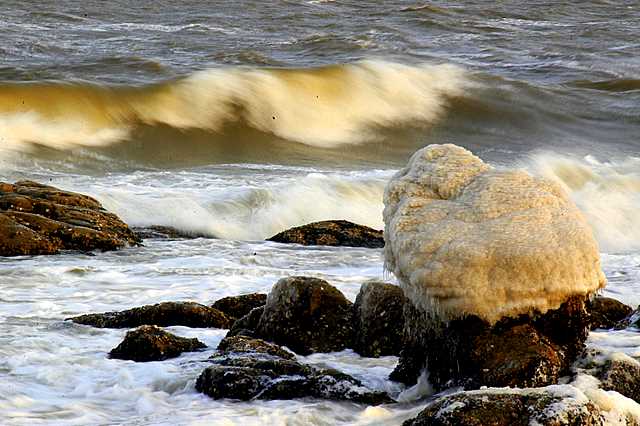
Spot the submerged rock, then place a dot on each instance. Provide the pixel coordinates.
(239, 372)
(527, 351)
(332, 233)
(378, 312)
(151, 343)
(307, 315)
(608, 313)
(188, 314)
(161, 232)
(39, 219)
(235, 307)
(509, 408)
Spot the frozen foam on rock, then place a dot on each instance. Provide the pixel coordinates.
(465, 238)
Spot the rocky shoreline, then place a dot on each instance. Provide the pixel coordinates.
(524, 356)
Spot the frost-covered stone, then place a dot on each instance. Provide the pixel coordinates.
(465, 238)
(511, 407)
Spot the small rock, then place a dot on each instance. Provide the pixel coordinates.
(235, 307)
(379, 319)
(508, 408)
(607, 312)
(188, 314)
(151, 343)
(331, 233)
(161, 232)
(307, 315)
(248, 344)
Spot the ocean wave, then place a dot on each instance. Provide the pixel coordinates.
(321, 107)
(608, 193)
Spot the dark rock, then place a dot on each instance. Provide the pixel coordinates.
(331, 233)
(607, 313)
(151, 343)
(622, 376)
(527, 351)
(307, 315)
(248, 324)
(188, 314)
(262, 376)
(161, 232)
(378, 314)
(235, 307)
(39, 219)
(248, 344)
(508, 408)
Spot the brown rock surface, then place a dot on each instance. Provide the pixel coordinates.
(331, 233)
(188, 314)
(40, 219)
(307, 315)
(607, 312)
(378, 318)
(151, 343)
(236, 307)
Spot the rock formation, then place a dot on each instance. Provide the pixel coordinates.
(498, 267)
(40, 219)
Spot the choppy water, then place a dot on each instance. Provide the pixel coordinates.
(240, 119)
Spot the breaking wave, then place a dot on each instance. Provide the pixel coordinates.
(321, 107)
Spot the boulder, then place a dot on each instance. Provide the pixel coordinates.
(510, 408)
(248, 324)
(378, 319)
(331, 233)
(497, 267)
(39, 219)
(235, 307)
(307, 315)
(519, 352)
(607, 312)
(151, 343)
(464, 238)
(263, 374)
(188, 314)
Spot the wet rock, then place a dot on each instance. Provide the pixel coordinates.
(161, 232)
(151, 343)
(621, 374)
(235, 307)
(332, 233)
(188, 314)
(378, 318)
(607, 313)
(247, 344)
(307, 315)
(518, 352)
(263, 375)
(509, 408)
(40, 219)
(248, 324)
